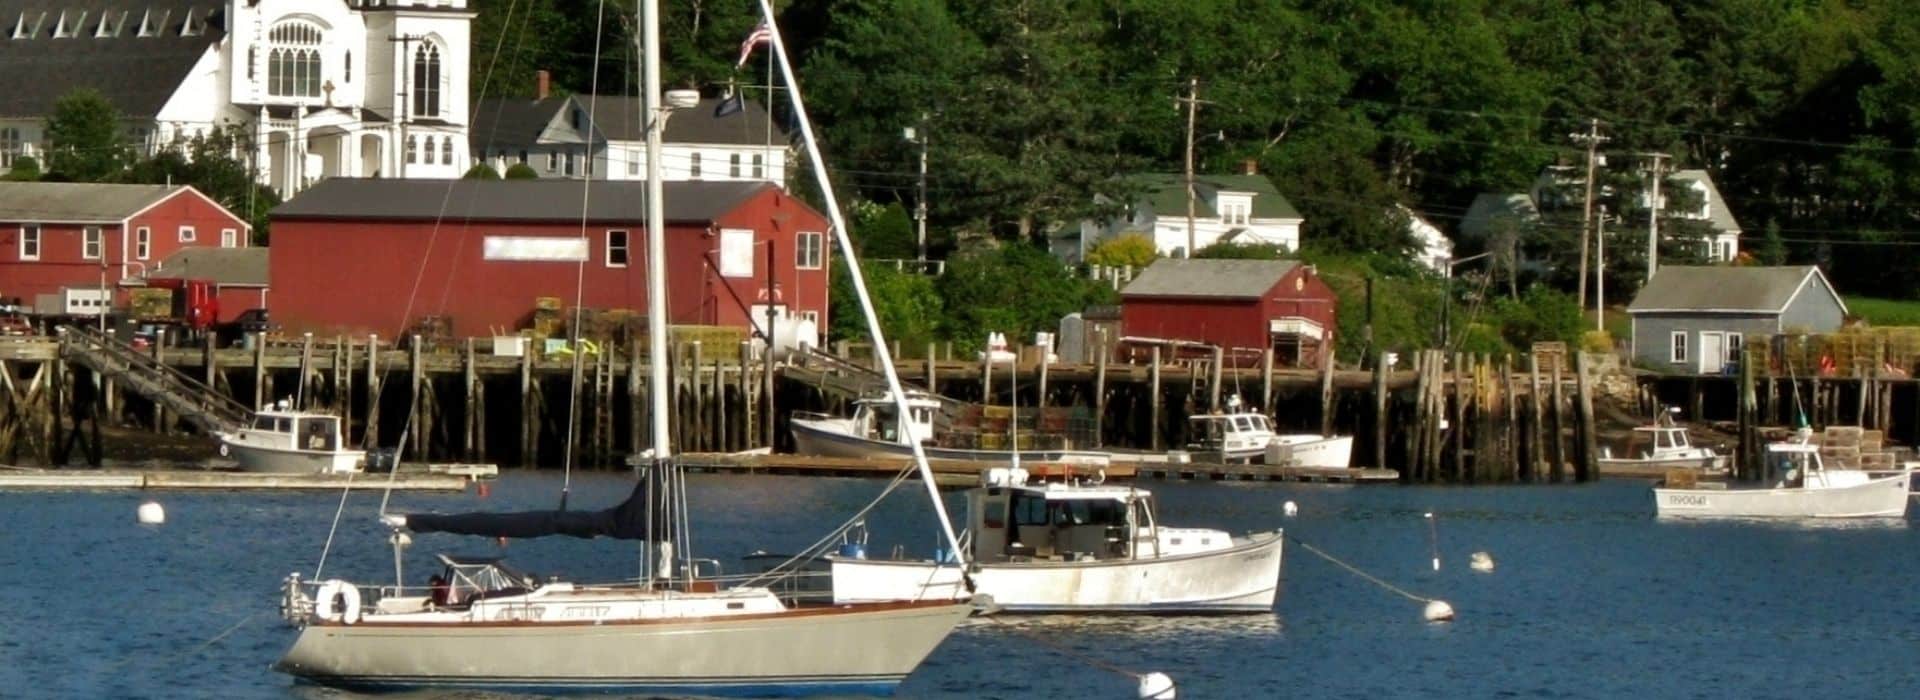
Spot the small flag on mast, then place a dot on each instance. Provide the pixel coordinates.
(761, 34)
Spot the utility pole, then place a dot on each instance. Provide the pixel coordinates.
(405, 100)
(1192, 101)
(919, 136)
(1600, 271)
(1592, 139)
(1653, 217)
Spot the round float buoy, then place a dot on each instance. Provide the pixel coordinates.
(337, 601)
(1439, 611)
(150, 513)
(1482, 562)
(1156, 686)
(1289, 509)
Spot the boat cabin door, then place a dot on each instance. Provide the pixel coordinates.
(319, 433)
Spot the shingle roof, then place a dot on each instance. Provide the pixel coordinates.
(1203, 277)
(1166, 194)
(1489, 209)
(512, 200)
(1684, 288)
(77, 202)
(138, 74)
(514, 122)
(1717, 211)
(228, 266)
(511, 123)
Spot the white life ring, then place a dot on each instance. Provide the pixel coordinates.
(224, 450)
(349, 595)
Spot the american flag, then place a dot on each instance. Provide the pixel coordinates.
(761, 34)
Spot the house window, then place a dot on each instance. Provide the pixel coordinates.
(293, 60)
(733, 166)
(186, 234)
(229, 238)
(616, 249)
(759, 166)
(571, 164)
(813, 316)
(349, 65)
(809, 249)
(1733, 347)
(1234, 212)
(426, 81)
(633, 162)
(446, 150)
(143, 242)
(413, 149)
(30, 242)
(694, 170)
(553, 161)
(523, 157)
(91, 242)
(1679, 347)
(9, 146)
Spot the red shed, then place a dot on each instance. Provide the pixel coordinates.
(1250, 304)
(72, 235)
(375, 256)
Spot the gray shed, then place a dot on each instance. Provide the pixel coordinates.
(1695, 319)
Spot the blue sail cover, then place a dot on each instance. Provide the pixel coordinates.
(626, 521)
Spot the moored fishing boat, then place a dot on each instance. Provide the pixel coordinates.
(1806, 489)
(285, 441)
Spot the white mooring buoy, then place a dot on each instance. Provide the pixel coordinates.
(1482, 562)
(1439, 611)
(1156, 686)
(1290, 509)
(151, 513)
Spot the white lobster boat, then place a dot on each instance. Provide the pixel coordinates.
(285, 441)
(1808, 490)
(1078, 547)
(1245, 436)
(1660, 448)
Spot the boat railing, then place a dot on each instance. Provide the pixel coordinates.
(813, 415)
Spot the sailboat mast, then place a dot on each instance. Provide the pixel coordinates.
(859, 280)
(656, 275)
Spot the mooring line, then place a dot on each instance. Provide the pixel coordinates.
(1357, 572)
(1065, 651)
(190, 652)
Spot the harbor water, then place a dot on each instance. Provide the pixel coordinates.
(1592, 596)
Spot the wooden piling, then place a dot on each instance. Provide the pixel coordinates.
(1153, 396)
(1379, 407)
(1266, 381)
(1583, 469)
(1557, 471)
(1100, 392)
(259, 369)
(1213, 378)
(372, 433)
(1326, 393)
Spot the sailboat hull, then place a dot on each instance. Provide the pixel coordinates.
(1241, 579)
(846, 649)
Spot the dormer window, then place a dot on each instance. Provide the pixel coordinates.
(151, 24)
(191, 27)
(64, 29)
(1235, 210)
(108, 27)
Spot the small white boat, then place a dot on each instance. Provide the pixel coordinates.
(1076, 546)
(1661, 447)
(285, 441)
(1807, 490)
(1310, 450)
(877, 430)
(1245, 436)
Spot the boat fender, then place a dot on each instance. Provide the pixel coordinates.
(348, 596)
(225, 451)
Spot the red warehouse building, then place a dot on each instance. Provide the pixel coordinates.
(1249, 304)
(376, 256)
(58, 236)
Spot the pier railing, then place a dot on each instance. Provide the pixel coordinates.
(209, 410)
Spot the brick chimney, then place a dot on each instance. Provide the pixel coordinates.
(542, 84)
(1250, 166)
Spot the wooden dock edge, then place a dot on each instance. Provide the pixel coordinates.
(26, 480)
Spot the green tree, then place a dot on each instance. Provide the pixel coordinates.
(212, 163)
(481, 171)
(907, 304)
(521, 171)
(884, 232)
(1130, 250)
(1772, 250)
(1241, 251)
(25, 169)
(1015, 288)
(83, 137)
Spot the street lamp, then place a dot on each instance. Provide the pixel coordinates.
(1446, 307)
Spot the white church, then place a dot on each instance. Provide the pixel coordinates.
(354, 88)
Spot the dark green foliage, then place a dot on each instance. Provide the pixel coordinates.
(521, 171)
(884, 232)
(1014, 288)
(83, 137)
(25, 169)
(481, 171)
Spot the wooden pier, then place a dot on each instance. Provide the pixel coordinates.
(209, 480)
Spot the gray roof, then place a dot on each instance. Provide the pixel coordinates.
(138, 74)
(1723, 289)
(1203, 277)
(512, 200)
(77, 202)
(225, 266)
(1717, 211)
(1166, 194)
(1490, 209)
(510, 123)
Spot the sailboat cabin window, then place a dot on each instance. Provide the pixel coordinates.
(616, 249)
(809, 250)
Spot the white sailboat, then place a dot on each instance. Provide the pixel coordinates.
(487, 626)
(1807, 490)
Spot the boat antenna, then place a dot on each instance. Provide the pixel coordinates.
(840, 236)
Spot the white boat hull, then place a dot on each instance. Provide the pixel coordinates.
(830, 438)
(1884, 497)
(1241, 579)
(259, 458)
(842, 650)
(1311, 451)
(1715, 465)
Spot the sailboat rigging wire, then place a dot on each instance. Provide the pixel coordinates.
(335, 528)
(580, 266)
(812, 550)
(845, 242)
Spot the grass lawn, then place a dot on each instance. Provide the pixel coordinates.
(1885, 312)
